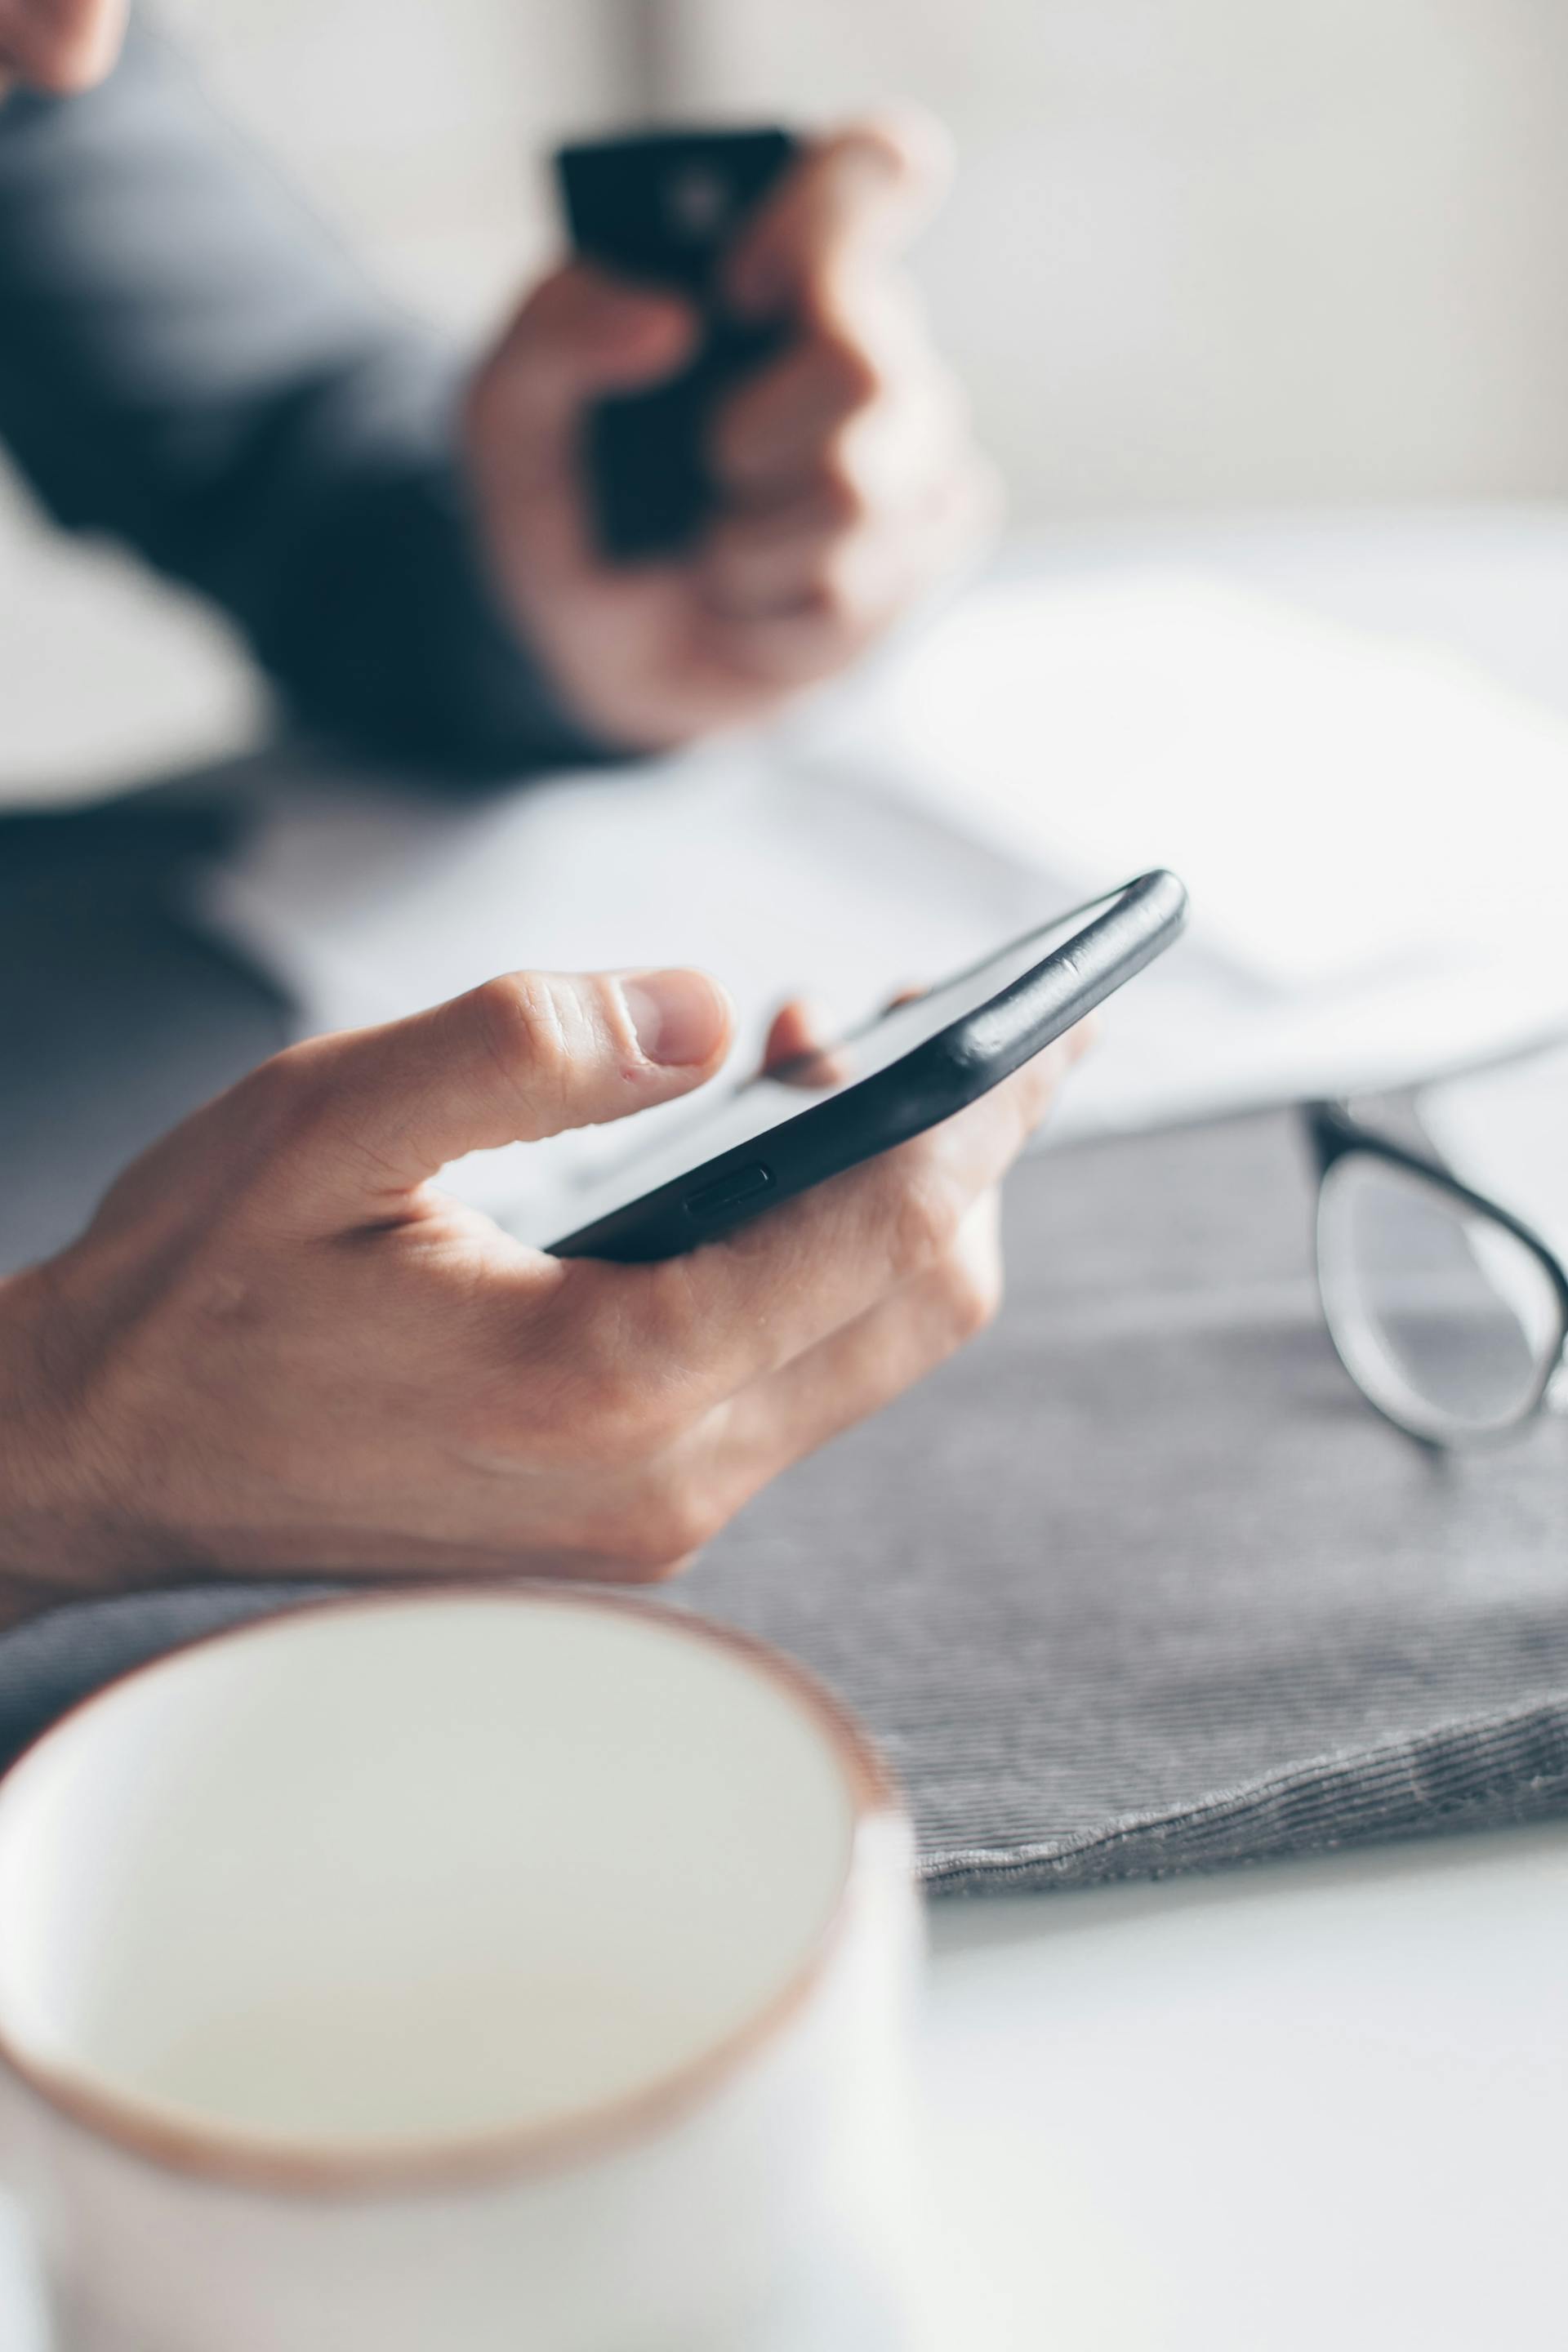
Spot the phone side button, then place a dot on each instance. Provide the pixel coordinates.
(726, 1192)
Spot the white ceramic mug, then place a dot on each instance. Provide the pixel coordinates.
(453, 1973)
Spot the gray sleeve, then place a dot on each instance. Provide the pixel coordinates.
(189, 364)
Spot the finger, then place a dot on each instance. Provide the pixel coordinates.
(778, 563)
(522, 1057)
(643, 1517)
(61, 51)
(754, 1300)
(862, 1369)
(867, 347)
(580, 335)
(781, 431)
(789, 609)
(864, 190)
(775, 570)
(801, 1026)
(681, 1495)
(798, 1051)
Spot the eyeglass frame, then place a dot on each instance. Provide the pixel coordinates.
(1334, 1133)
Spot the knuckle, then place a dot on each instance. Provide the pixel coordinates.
(519, 1024)
(634, 1567)
(853, 377)
(974, 1296)
(675, 1521)
(283, 1096)
(284, 1115)
(921, 1218)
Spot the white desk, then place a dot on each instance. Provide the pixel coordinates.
(1315, 2105)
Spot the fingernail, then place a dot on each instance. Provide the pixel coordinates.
(680, 1017)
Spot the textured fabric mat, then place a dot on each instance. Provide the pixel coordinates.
(1139, 1583)
(1135, 1585)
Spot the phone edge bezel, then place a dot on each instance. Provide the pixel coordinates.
(932, 1082)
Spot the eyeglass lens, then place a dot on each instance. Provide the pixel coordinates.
(1445, 1318)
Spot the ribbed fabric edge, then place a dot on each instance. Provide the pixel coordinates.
(1476, 1772)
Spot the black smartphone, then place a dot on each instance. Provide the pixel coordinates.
(774, 1137)
(663, 208)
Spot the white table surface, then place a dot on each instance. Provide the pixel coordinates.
(1314, 2105)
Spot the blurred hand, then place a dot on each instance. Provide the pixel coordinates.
(849, 480)
(58, 45)
(279, 1349)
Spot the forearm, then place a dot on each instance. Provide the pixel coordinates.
(369, 603)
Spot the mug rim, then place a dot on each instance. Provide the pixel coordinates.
(298, 2170)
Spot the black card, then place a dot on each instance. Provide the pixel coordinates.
(663, 208)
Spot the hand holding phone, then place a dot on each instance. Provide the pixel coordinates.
(663, 210)
(449, 1403)
(793, 508)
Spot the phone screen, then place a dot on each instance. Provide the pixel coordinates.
(742, 1113)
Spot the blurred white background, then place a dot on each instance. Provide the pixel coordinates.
(1204, 253)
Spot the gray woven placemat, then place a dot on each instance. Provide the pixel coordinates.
(1139, 1584)
(1135, 1585)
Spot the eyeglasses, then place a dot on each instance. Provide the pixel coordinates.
(1448, 1312)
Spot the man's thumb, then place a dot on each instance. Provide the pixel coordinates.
(579, 335)
(520, 1057)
